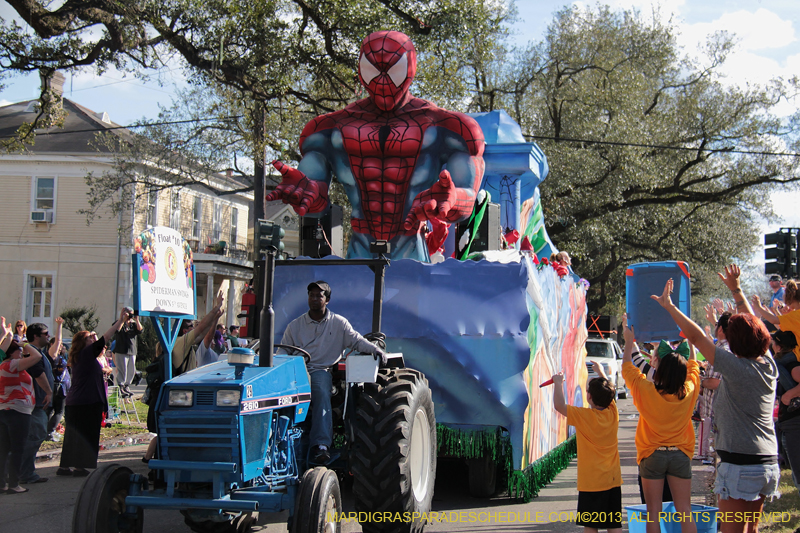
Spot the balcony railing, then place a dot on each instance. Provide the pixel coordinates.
(207, 244)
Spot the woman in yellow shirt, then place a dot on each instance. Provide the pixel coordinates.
(664, 435)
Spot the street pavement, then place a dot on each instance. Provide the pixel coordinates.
(48, 506)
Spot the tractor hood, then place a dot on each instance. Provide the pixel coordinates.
(288, 374)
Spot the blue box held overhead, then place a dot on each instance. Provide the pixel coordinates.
(649, 320)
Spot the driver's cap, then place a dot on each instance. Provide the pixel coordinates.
(321, 285)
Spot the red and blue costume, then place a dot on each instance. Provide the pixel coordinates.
(402, 160)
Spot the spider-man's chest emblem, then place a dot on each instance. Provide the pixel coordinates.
(393, 139)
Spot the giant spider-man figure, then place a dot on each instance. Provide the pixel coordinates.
(402, 160)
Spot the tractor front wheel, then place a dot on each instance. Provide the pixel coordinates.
(393, 454)
(319, 503)
(101, 502)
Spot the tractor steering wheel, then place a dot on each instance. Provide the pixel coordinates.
(305, 354)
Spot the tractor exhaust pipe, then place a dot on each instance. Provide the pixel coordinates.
(267, 313)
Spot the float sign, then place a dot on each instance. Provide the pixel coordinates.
(165, 273)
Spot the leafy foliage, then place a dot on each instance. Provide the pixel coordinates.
(80, 318)
(613, 80)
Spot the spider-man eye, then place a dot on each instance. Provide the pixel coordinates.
(399, 71)
(367, 70)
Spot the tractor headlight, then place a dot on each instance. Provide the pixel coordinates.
(228, 398)
(181, 398)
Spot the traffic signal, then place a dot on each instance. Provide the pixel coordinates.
(781, 254)
(268, 236)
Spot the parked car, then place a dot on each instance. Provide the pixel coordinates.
(609, 354)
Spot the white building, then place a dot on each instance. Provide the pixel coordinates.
(50, 259)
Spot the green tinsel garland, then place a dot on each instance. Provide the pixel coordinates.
(522, 484)
(525, 484)
(472, 444)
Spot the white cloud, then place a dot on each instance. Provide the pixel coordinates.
(756, 35)
(759, 30)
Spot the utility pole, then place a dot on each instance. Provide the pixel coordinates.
(259, 264)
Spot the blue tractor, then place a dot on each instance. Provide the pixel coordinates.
(231, 445)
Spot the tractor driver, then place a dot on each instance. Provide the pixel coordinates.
(324, 335)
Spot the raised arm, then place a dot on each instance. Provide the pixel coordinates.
(731, 280)
(109, 334)
(693, 333)
(209, 336)
(764, 312)
(559, 402)
(56, 346)
(630, 341)
(210, 320)
(7, 334)
(26, 362)
(598, 369)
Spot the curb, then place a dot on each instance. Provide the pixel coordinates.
(132, 440)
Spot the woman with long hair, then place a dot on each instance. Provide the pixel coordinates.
(748, 471)
(664, 435)
(86, 401)
(19, 332)
(16, 406)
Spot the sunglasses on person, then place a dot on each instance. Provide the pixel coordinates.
(45, 334)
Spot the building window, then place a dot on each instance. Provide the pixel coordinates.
(44, 194)
(40, 296)
(151, 216)
(234, 225)
(197, 217)
(216, 223)
(175, 211)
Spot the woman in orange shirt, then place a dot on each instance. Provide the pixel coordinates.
(664, 435)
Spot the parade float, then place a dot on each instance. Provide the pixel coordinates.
(485, 328)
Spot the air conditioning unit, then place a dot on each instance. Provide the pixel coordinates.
(42, 216)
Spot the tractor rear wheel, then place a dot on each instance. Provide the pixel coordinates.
(100, 506)
(393, 454)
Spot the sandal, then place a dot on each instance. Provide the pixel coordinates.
(17, 490)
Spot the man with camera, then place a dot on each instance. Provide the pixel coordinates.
(125, 353)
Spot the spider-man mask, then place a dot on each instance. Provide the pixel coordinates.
(386, 67)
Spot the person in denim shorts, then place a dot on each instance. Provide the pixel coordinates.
(746, 443)
(664, 435)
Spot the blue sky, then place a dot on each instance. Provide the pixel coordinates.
(768, 33)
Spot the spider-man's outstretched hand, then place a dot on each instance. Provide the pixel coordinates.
(443, 201)
(303, 194)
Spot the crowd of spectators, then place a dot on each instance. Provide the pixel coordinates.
(746, 381)
(42, 385)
